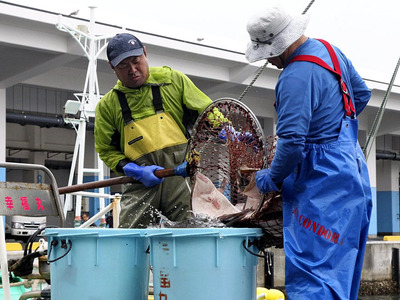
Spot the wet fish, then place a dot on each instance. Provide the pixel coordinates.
(208, 200)
(254, 196)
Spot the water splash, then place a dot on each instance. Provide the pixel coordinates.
(196, 221)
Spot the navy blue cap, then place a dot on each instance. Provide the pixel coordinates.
(123, 45)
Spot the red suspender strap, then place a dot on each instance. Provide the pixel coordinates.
(348, 104)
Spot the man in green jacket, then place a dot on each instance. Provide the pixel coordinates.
(141, 126)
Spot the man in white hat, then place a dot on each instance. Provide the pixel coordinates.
(318, 164)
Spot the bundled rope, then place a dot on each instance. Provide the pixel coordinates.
(379, 116)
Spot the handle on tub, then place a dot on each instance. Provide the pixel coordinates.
(251, 252)
(64, 245)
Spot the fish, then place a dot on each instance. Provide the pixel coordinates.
(208, 200)
(262, 211)
(254, 196)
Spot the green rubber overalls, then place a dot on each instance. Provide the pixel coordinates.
(154, 140)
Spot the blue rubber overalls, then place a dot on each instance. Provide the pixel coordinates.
(326, 208)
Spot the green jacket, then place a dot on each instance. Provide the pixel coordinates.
(180, 97)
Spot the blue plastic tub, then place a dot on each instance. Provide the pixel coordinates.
(203, 263)
(101, 264)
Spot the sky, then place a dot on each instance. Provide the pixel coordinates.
(367, 31)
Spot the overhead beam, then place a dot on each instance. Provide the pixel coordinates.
(37, 70)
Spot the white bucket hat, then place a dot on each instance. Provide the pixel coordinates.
(272, 31)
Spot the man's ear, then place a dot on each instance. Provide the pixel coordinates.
(144, 51)
(112, 67)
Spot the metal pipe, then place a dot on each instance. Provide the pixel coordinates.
(27, 119)
(58, 121)
(42, 121)
(387, 155)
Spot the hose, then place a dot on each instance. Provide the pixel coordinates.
(30, 295)
(45, 294)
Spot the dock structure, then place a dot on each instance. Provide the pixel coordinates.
(43, 68)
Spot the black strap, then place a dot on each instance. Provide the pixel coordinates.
(126, 111)
(189, 119)
(157, 100)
